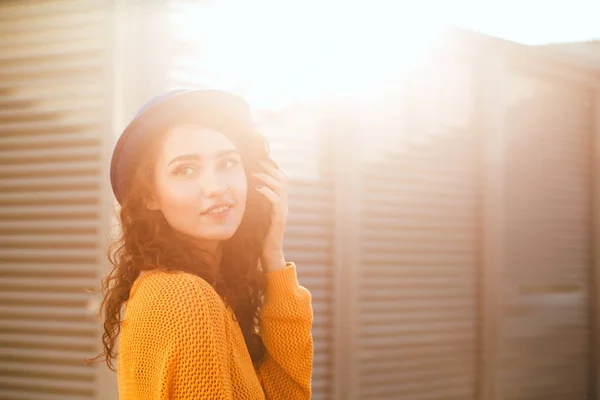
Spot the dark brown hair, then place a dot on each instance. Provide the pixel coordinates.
(148, 242)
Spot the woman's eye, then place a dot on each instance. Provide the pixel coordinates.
(229, 163)
(184, 170)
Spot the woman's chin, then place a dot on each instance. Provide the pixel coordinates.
(219, 234)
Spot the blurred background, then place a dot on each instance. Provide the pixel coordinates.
(443, 159)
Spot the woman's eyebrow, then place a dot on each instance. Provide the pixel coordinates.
(225, 153)
(198, 157)
(186, 157)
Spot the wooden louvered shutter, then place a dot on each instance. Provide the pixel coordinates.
(545, 336)
(417, 280)
(54, 116)
(298, 145)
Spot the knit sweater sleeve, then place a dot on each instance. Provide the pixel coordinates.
(285, 328)
(193, 342)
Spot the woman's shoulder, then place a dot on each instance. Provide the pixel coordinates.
(173, 287)
(168, 303)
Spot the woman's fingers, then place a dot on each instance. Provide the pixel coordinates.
(269, 194)
(275, 186)
(270, 182)
(275, 172)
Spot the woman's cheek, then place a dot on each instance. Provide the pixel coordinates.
(235, 180)
(241, 188)
(181, 198)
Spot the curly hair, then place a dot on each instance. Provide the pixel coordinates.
(148, 242)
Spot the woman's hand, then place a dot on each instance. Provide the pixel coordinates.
(275, 189)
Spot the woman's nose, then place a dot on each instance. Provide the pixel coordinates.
(212, 185)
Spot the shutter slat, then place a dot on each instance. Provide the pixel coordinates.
(48, 69)
(49, 240)
(83, 153)
(39, 226)
(30, 283)
(417, 352)
(47, 9)
(58, 371)
(36, 211)
(48, 270)
(45, 311)
(49, 197)
(48, 182)
(53, 140)
(28, 395)
(51, 36)
(69, 92)
(49, 341)
(48, 385)
(77, 299)
(63, 328)
(51, 49)
(50, 255)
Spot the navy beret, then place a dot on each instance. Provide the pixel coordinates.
(214, 109)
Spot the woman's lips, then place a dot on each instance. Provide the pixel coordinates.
(218, 212)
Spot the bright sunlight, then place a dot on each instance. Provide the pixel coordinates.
(311, 51)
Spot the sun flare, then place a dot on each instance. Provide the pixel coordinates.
(275, 53)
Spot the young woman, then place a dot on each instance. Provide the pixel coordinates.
(211, 309)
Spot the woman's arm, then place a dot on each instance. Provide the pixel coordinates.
(183, 351)
(285, 327)
(286, 315)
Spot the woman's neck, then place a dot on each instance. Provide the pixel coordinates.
(215, 249)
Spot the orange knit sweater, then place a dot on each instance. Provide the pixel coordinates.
(178, 340)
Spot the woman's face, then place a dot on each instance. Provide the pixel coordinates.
(200, 183)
